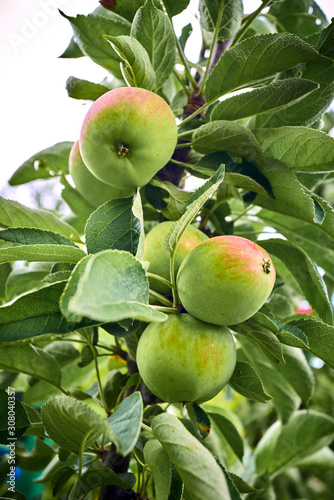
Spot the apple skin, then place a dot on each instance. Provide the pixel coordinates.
(185, 360)
(92, 189)
(225, 280)
(156, 255)
(127, 136)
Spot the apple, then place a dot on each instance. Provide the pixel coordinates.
(159, 259)
(92, 189)
(127, 136)
(225, 280)
(184, 359)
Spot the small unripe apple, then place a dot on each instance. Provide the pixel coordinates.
(92, 189)
(225, 280)
(184, 359)
(159, 259)
(127, 136)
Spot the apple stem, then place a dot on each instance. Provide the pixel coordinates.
(161, 298)
(159, 278)
(167, 310)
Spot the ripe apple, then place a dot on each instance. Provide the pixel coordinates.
(157, 256)
(127, 136)
(92, 189)
(184, 359)
(225, 280)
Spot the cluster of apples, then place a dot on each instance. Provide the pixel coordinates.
(127, 136)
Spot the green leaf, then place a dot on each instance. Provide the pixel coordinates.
(158, 462)
(60, 477)
(305, 273)
(89, 31)
(234, 493)
(76, 202)
(310, 109)
(283, 446)
(175, 7)
(244, 174)
(231, 17)
(202, 476)
(35, 460)
(317, 240)
(31, 236)
(298, 373)
(175, 199)
(38, 245)
(195, 203)
(138, 213)
(137, 69)
(323, 458)
(101, 288)
(255, 59)
(84, 89)
(262, 336)
(44, 164)
(285, 399)
(223, 135)
(287, 192)
(114, 226)
(63, 352)
(241, 485)
(5, 272)
(28, 359)
(10, 406)
(325, 43)
(13, 214)
(72, 50)
(230, 433)
(300, 148)
(176, 487)
(320, 338)
(96, 476)
(31, 314)
(268, 98)
(42, 253)
(154, 30)
(125, 423)
(72, 424)
(290, 335)
(246, 382)
(112, 388)
(202, 419)
(125, 8)
(300, 17)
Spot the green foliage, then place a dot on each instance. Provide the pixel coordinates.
(255, 140)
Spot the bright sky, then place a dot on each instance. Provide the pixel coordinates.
(35, 109)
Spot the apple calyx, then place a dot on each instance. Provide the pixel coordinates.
(266, 265)
(123, 150)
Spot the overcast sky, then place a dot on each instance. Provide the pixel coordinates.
(35, 109)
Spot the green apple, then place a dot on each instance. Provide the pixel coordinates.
(92, 189)
(225, 280)
(184, 359)
(127, 136)
(159, 259)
